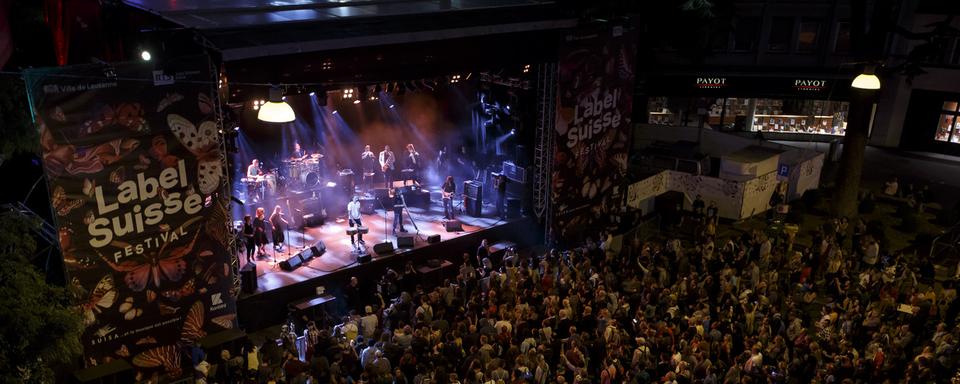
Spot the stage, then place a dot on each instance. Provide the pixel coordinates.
(276, 287)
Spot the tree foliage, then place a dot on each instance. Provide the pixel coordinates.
(39, 330)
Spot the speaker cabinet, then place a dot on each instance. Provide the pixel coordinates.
(473, 189)
(248, 278)
(365, 258)
(383, 248)
(404, 242)
(453, 226)
(433, 239)
(368, 205)
(292, 263)
(513, 208)
(474, 207)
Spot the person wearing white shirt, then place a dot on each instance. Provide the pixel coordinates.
(353, 217)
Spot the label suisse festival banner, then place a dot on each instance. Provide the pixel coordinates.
(594, 106)
(133, 166)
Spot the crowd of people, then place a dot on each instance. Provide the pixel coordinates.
(749, 308)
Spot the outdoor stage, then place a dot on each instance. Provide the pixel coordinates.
(276, 288)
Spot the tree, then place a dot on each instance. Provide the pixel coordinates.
(39, 330)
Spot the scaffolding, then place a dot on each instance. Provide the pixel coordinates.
(543, 149)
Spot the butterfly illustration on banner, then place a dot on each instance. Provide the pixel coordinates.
(168, 356)
(104, 296)
(203, 142)
(160, 265)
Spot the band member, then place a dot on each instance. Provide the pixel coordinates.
(387, 161)
(398, 205)
(466, 165)
(368, 164)
(253, 171)
(248, 238)
(277, 222)
(260, 232)
(501, 186)
(353, 217)
(298, 152)
(448, 189)
(443, 161)
(413, 162)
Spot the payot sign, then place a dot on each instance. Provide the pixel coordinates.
(809, 85)
(711, 82)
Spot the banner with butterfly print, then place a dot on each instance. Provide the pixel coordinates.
(132, 158)
(593, 130)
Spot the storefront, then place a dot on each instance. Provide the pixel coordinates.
(932, 122)
(789, 105)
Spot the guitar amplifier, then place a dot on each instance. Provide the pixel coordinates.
(473, 189)
(248, 278)
(474, 207)
(368, 205)
(513, 172)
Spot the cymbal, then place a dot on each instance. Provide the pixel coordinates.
(317, 156)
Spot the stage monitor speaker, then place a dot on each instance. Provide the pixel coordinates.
(292, 263)
(364, 258)
(318, 249)
(404, 242)
(383, 248)
(474, 207)
(514, 172)
(433, 239)
(513, 208)
(453, 226)
(248, 278)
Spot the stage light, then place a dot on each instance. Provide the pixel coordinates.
(391, 106)
(357, 101)
(276, 110)
(348, 93)
(257, 104)
(331, 184)
(145, 55)
(313, 93)
(513, 131)
(866, 80)
(237, 128)
(335, 112)
(454, 79)
(526, 68)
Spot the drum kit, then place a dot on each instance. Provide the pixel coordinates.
(305, 171)
(258, 186)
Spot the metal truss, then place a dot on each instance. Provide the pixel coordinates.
(225, 186)
(543, 148)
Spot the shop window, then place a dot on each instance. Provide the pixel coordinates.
(948, 129)
(842, 44)
(809, 36)
(746, 33)
(781, 34)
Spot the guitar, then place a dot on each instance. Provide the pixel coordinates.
(447, 195)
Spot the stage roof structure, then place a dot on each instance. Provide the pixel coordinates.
(247, 29)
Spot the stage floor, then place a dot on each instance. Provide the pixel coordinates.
(338, 255)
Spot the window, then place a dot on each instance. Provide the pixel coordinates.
(843, 38)
(809, 36)
(781, 34)
(948, 129)
(745, 34)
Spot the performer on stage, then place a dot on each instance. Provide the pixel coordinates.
(353, 217)
(443, 161)
(368, 165)
(448, 189)
(387, 161)
(298, 152)
(277, 222)
(398, 206)
(413, 162)
(254, 171)
(260, 232)
(501, 186)
(248, 237)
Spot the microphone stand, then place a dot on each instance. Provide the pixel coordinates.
(405, 208)
(286, 230)
(384, 218)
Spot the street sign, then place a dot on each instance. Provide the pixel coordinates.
(783, 170)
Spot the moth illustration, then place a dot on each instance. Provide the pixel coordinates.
(202, 141)
(160, 265)
(104, 296)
